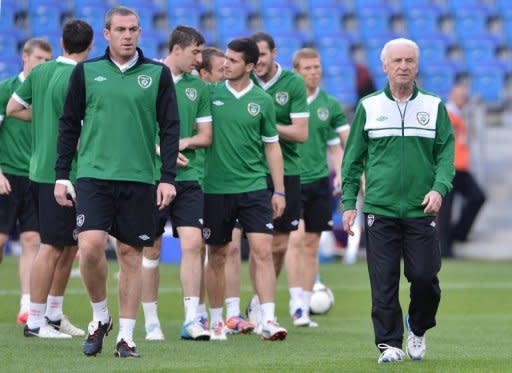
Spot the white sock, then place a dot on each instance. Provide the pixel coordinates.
(268, 312)
(232, 307)
(215, 316)
(126, 327)
(25, 302)
(306, 296)
(150, 313)
(54, 307)
(100, 311)
(190, 304)
(201, 311)
(36, 315)
(296, 298)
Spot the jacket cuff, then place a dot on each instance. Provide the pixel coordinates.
(441, 188)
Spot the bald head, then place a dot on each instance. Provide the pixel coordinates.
(459, 95)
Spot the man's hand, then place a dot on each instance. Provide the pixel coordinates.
(432, 202)
(182, 161)
(63, 188)
(278, 205)
(5, 186)
(184, 143)
(165, 193)
(349, 217)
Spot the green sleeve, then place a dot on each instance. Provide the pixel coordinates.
(204, 109)
(443, 152)
(268, 118)
(299, 99)
(354, 158)
(4, 98)
(338, 117)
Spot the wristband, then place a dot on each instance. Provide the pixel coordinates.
(282, 194)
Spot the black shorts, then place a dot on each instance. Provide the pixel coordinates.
(56, 223)
(252, 209)
(289, 221)
(186, 210)
(317, 206)
(18, 206)
(125, 209)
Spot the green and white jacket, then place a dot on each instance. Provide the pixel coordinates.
(405, 150)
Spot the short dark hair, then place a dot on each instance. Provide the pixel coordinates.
(247, 47)
(76, 36)
(263, 36)
(120, 10)
(184, 36)
(207, 55)
(34, 43)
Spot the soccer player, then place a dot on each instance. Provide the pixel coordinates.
(186, 210)
(289, 95)
(45, 88)
(327, 127)
(244, 137)
(212, 71)
(112, 106)
(16, 201)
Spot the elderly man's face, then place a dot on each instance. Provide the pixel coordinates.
(401, 64)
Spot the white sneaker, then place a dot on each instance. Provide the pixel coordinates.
(273, 332)
(300, 318)
(218, 332)
(195, 330)
(390, 354)
(312, 324)
(253, 310)
(64, 326)
(45, 331)
(258, 329)
(416, 346)
(154, 332)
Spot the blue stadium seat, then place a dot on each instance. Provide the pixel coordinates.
(231, 19)
(7, 19)
(422, 18)
(8, 46)
(479, 48)
(470, 21)
(488, 82)
(93, 14)
(287, 44)
(373, 20)
(10, 67)
(189, 14)
(151, 41)
(99, 44)
(438, 78)
(343, 84)
(432, 49)
(326, 20)
(277, 19)
(226, 35)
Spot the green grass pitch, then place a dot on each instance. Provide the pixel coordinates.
(474, 331)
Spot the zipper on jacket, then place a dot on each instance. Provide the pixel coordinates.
(403, 199)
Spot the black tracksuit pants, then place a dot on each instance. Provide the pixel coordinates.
(387, 241)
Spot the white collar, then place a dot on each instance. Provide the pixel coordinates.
(270, 83)
(239, 94)
(176, 78)
(129, 64)
(21, 76)
(66, 60)
(314, 95)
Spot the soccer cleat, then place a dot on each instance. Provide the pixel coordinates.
(312, 324)
(125, 349)
(301, 318)
(253, 310)
(271, 331)
(237, 324)
(93, 343)
(45, 331)
(416, 346)
(389, 354)
(64, 326)
(194, 330)
(218, 332)
(154, 332)
(204, 321)
(22, 318)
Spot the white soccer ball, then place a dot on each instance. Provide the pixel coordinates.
(322, 299)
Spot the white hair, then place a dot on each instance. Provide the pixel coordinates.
(399, 41)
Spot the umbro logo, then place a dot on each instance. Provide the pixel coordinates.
(269, 225)
(218, 103)
(100, 78)
(382, 118)
(144, 237)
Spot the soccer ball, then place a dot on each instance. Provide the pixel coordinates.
(322, 299)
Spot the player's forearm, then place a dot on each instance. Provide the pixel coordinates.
(336, 153)
(295, 132)
(275, 165)
(201, 140)
(16, 110)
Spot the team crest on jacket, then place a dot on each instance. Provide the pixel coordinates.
(323, 113)
(370, 219)
(144, 81)
(253, 109)
(423, 118)
(282, 98)
(191, 93)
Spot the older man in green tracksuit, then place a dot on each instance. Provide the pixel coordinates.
(401, 138)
